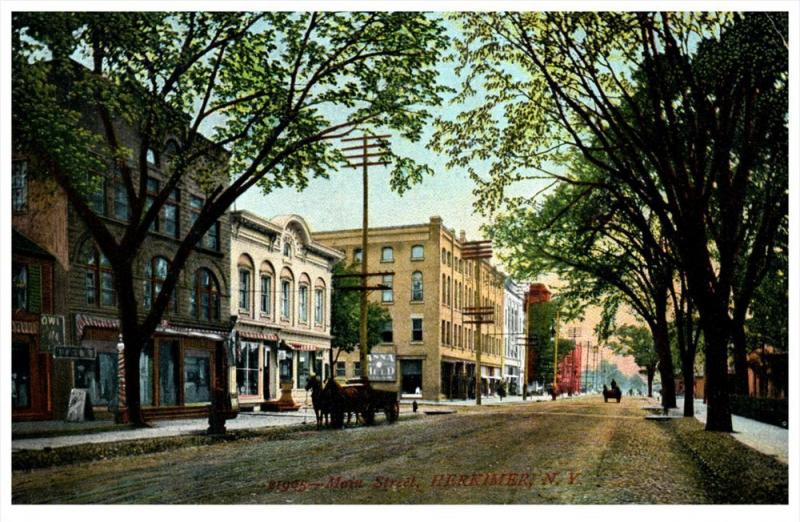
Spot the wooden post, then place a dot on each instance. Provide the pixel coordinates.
(478, 385)
(362, 326)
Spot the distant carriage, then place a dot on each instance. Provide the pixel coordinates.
(613, 393)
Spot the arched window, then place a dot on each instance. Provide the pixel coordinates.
(245, 282)
(287, 282)
(417, 252)
(287, 249)
(155, 273)
(98, 278)
(357, 255)
(303, 297)
(319, 303)
(387, 254)
(416, 286)
(444, 256)
(205, 295)
(267, 277)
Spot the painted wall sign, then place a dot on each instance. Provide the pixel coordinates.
(51, 331)
(382, 367)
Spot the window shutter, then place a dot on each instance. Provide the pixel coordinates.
(35, 288)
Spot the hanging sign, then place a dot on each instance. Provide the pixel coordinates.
(51, 331)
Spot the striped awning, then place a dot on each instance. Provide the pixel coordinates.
(255, 334)
(24, 327)
(83, 321)
(305, 347)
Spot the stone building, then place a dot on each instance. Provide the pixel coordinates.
(513, 336)
(181, 362)
(430, 285)
(281, 280)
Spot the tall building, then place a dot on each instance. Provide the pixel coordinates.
(281, 280)
(429, 287)
(513, 336)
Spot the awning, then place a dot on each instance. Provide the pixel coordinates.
(24, 327)
(83, 321)
(255, 334)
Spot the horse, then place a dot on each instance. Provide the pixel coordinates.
(343, 399)
(614, 392)
(320, 400)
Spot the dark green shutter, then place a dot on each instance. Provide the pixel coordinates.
(35, 289)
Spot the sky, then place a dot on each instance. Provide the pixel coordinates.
(335, 203)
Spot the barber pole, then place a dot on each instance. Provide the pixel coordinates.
(121, 416)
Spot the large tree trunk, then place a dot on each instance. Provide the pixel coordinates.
(134, 340)
(716, 343)
(740, 358)
(664, 352)
(687, 369)
(651, 372)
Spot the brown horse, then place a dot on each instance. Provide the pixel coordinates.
(343, 399)
(320, 400)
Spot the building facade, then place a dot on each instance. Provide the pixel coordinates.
(429, 287)
(281, 280)
(513, 336)
(183, 360)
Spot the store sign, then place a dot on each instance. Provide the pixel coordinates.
(51, 331)
(382, 367)
(74, 352)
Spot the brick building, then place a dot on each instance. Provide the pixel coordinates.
(430, 286)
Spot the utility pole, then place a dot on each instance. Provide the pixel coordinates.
(361, 157)
(477, 250)
(555, 358)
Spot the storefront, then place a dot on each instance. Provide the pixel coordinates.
(254, 370)
(411, 377)
(30, 374)
(177, 368)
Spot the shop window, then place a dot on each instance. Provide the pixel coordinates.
(99, 377)
(303, 368)
(247, 369)
(387, 295)
(416, 329)
(387, 334)
(417, 253)
(205, 296)
(168, 373)
(20, 375)
(387, 255)
(411, 376)
(416, 286)
(19, 186)
(146, 376)
(19, 283)
(341, 370)
(285, 366)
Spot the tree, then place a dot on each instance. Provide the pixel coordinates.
(254, 99)
(637, 341)
(685, 110)
(345, 308)
(541, 342)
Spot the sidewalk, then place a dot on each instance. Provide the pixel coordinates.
(765, 438)
(162, 428)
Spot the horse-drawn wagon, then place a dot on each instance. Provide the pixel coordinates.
(335, 400)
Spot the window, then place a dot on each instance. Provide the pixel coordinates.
(341, 370)
(247, 369)
(411, 376)
(168, 373)
(285, 367)
(387, 334)
(211, 238)
(357, 369)
(444, 289)
(416, 329)
(19, 282)
(96, 199)
(449, 259)
(152, 192)
(357, 255)
(244, 289)
(303, 368)
(196, 377)
(444, 332)
(303, 304)
(286, 290)
(155, 274)
(416, 286)
(99, 278)
(319, 305)
(287, 249)
(387, 294)
(122, 210)
(99, 377)
(20, 375)
(205, 297)
(387, 255)
(151, 157)
(171, 211)
(417, 252)
(266, 294)
(146, 375)
(444, 256)
(19, 186)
